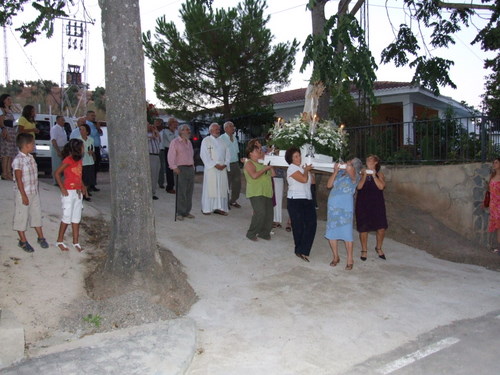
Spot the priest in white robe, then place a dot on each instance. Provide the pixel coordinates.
(216, 158)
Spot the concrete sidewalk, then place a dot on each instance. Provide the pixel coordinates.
(261, 310)
(157, 348)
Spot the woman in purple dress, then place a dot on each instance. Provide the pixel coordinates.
(370, 206)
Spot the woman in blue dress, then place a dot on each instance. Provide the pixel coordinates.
(343, 183)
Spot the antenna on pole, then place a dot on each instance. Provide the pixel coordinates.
(6, 55)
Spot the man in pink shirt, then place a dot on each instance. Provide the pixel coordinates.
(181, 161)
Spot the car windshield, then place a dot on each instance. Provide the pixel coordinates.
(44, 134)
(44, 127)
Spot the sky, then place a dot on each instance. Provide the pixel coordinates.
(288, 19)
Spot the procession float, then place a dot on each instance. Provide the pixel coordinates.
(321, 142)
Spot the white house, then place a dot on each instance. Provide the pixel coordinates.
(398, 102)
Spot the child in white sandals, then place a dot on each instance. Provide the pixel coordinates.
(72, 191)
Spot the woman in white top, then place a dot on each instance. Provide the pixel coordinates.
(300, 204)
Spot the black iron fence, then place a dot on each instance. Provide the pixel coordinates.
(448, 140)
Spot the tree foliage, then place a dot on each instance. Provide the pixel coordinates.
(489, 37)
(48, 11)
(224, 58)
(42, 87)
(13, 88)
(99, 98)
(341, 67)
(70, 98)
(430, 24)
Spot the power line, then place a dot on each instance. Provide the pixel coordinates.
(163, 6)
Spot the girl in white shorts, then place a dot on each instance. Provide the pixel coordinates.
(72, 191)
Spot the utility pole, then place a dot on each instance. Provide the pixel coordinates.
(77, 44)
(7, 79)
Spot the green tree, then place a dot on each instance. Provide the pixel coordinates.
(341, 58)
(99, 98)
(70, 97)
(491, 98)
(48, 11)
(489, 38)
(409, 47)
(133, 255)
(40, 90)
(13, 88)
(225, 58)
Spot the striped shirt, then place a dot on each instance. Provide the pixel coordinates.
(153, 143)
(27, 165)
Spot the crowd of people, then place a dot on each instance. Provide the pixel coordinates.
(75, 161)
(265, 185)
(356, 192)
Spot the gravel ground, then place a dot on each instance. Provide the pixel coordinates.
(87, 316)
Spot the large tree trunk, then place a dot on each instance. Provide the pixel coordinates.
(318, 25)
(133, 247)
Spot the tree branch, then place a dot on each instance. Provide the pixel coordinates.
(442, 4)
(356, 7)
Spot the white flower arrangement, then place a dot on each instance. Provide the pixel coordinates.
(326, 137)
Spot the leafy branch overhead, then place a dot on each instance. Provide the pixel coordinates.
(338, 67)
(224, 58)
(431, 24)
(48, 11)
(413, 48)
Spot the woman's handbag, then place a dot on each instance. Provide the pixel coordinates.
(486, 201)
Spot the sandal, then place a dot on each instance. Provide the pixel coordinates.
(303, 257)
(25, 246)
(78, 247)
(288, 228)
(363, 258)
(43, 243)
(348, 267)
(334, 262)
(63, 248)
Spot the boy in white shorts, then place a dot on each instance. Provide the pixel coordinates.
(27, 199)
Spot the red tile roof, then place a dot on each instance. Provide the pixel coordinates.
(299, 94)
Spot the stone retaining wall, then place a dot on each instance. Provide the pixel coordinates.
(453, 194)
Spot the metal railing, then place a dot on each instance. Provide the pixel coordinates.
(447, 140)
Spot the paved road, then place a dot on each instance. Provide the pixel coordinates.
(261, 310)
(465, 347)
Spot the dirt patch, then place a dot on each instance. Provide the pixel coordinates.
(412, 226)
(112, 304)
